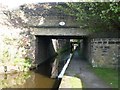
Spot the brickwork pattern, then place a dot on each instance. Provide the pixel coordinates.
(105, 52)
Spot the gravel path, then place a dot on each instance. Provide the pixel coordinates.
(80, 68)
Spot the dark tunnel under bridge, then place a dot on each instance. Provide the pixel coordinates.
(47, 47)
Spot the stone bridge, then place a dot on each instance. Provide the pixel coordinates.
(45, 31)
(49, 24)
(64, 28)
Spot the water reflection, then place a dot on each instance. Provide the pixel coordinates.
(14, 79)
(39, 78)
(38, 81)
(26, 80)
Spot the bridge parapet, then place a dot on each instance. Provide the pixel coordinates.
(61, 32)
(50, 21)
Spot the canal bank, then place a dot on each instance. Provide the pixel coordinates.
(37, 79)
(38, 76)
(78, 75)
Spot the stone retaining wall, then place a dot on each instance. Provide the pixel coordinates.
(105, 52)
(16, 47)
(17, 44)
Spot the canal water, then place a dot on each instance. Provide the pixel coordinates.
(38, 78)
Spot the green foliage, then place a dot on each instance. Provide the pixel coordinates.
(5, 57)
(63, 49)
(25, 63)
(95, 15)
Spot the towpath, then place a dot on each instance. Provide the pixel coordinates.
(81, 69)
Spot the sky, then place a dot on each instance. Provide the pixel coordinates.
(16, 3)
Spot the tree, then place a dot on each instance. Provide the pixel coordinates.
(95, 15)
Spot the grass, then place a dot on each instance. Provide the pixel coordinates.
(110, 76)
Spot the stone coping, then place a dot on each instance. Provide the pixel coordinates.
(70, 82)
